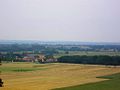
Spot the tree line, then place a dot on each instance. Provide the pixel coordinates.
(99, 60)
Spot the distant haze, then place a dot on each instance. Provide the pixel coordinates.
(60, 20)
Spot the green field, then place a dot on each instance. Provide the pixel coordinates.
(112, 84)
(88, 53)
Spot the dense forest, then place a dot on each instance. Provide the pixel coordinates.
(100, 60)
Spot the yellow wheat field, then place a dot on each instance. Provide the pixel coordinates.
(50, 76)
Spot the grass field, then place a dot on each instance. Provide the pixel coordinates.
(112, 84)
(88, 53)
(31, 76)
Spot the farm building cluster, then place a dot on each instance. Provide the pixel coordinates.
(40, 58)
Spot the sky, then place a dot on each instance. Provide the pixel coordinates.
(60, 20)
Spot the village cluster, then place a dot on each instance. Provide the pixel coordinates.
(38, 58)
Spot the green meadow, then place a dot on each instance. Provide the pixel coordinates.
(113, 83)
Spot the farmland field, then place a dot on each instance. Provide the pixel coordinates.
(31, 76)
(112, 84)
(87, 53)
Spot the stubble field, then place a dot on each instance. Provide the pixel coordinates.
(31, 76)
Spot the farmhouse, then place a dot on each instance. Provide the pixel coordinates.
(28, 59)
(39, 58)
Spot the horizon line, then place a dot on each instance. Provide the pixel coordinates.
(62, 41)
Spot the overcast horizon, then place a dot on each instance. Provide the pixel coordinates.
(60, 20)
(72, 41)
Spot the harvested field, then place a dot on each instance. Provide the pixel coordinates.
(30, 76)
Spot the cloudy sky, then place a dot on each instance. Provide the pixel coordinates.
(61, 20)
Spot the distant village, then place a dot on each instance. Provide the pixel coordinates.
(38, 58)
(28, 57)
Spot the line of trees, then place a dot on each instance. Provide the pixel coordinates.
(99, 60)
